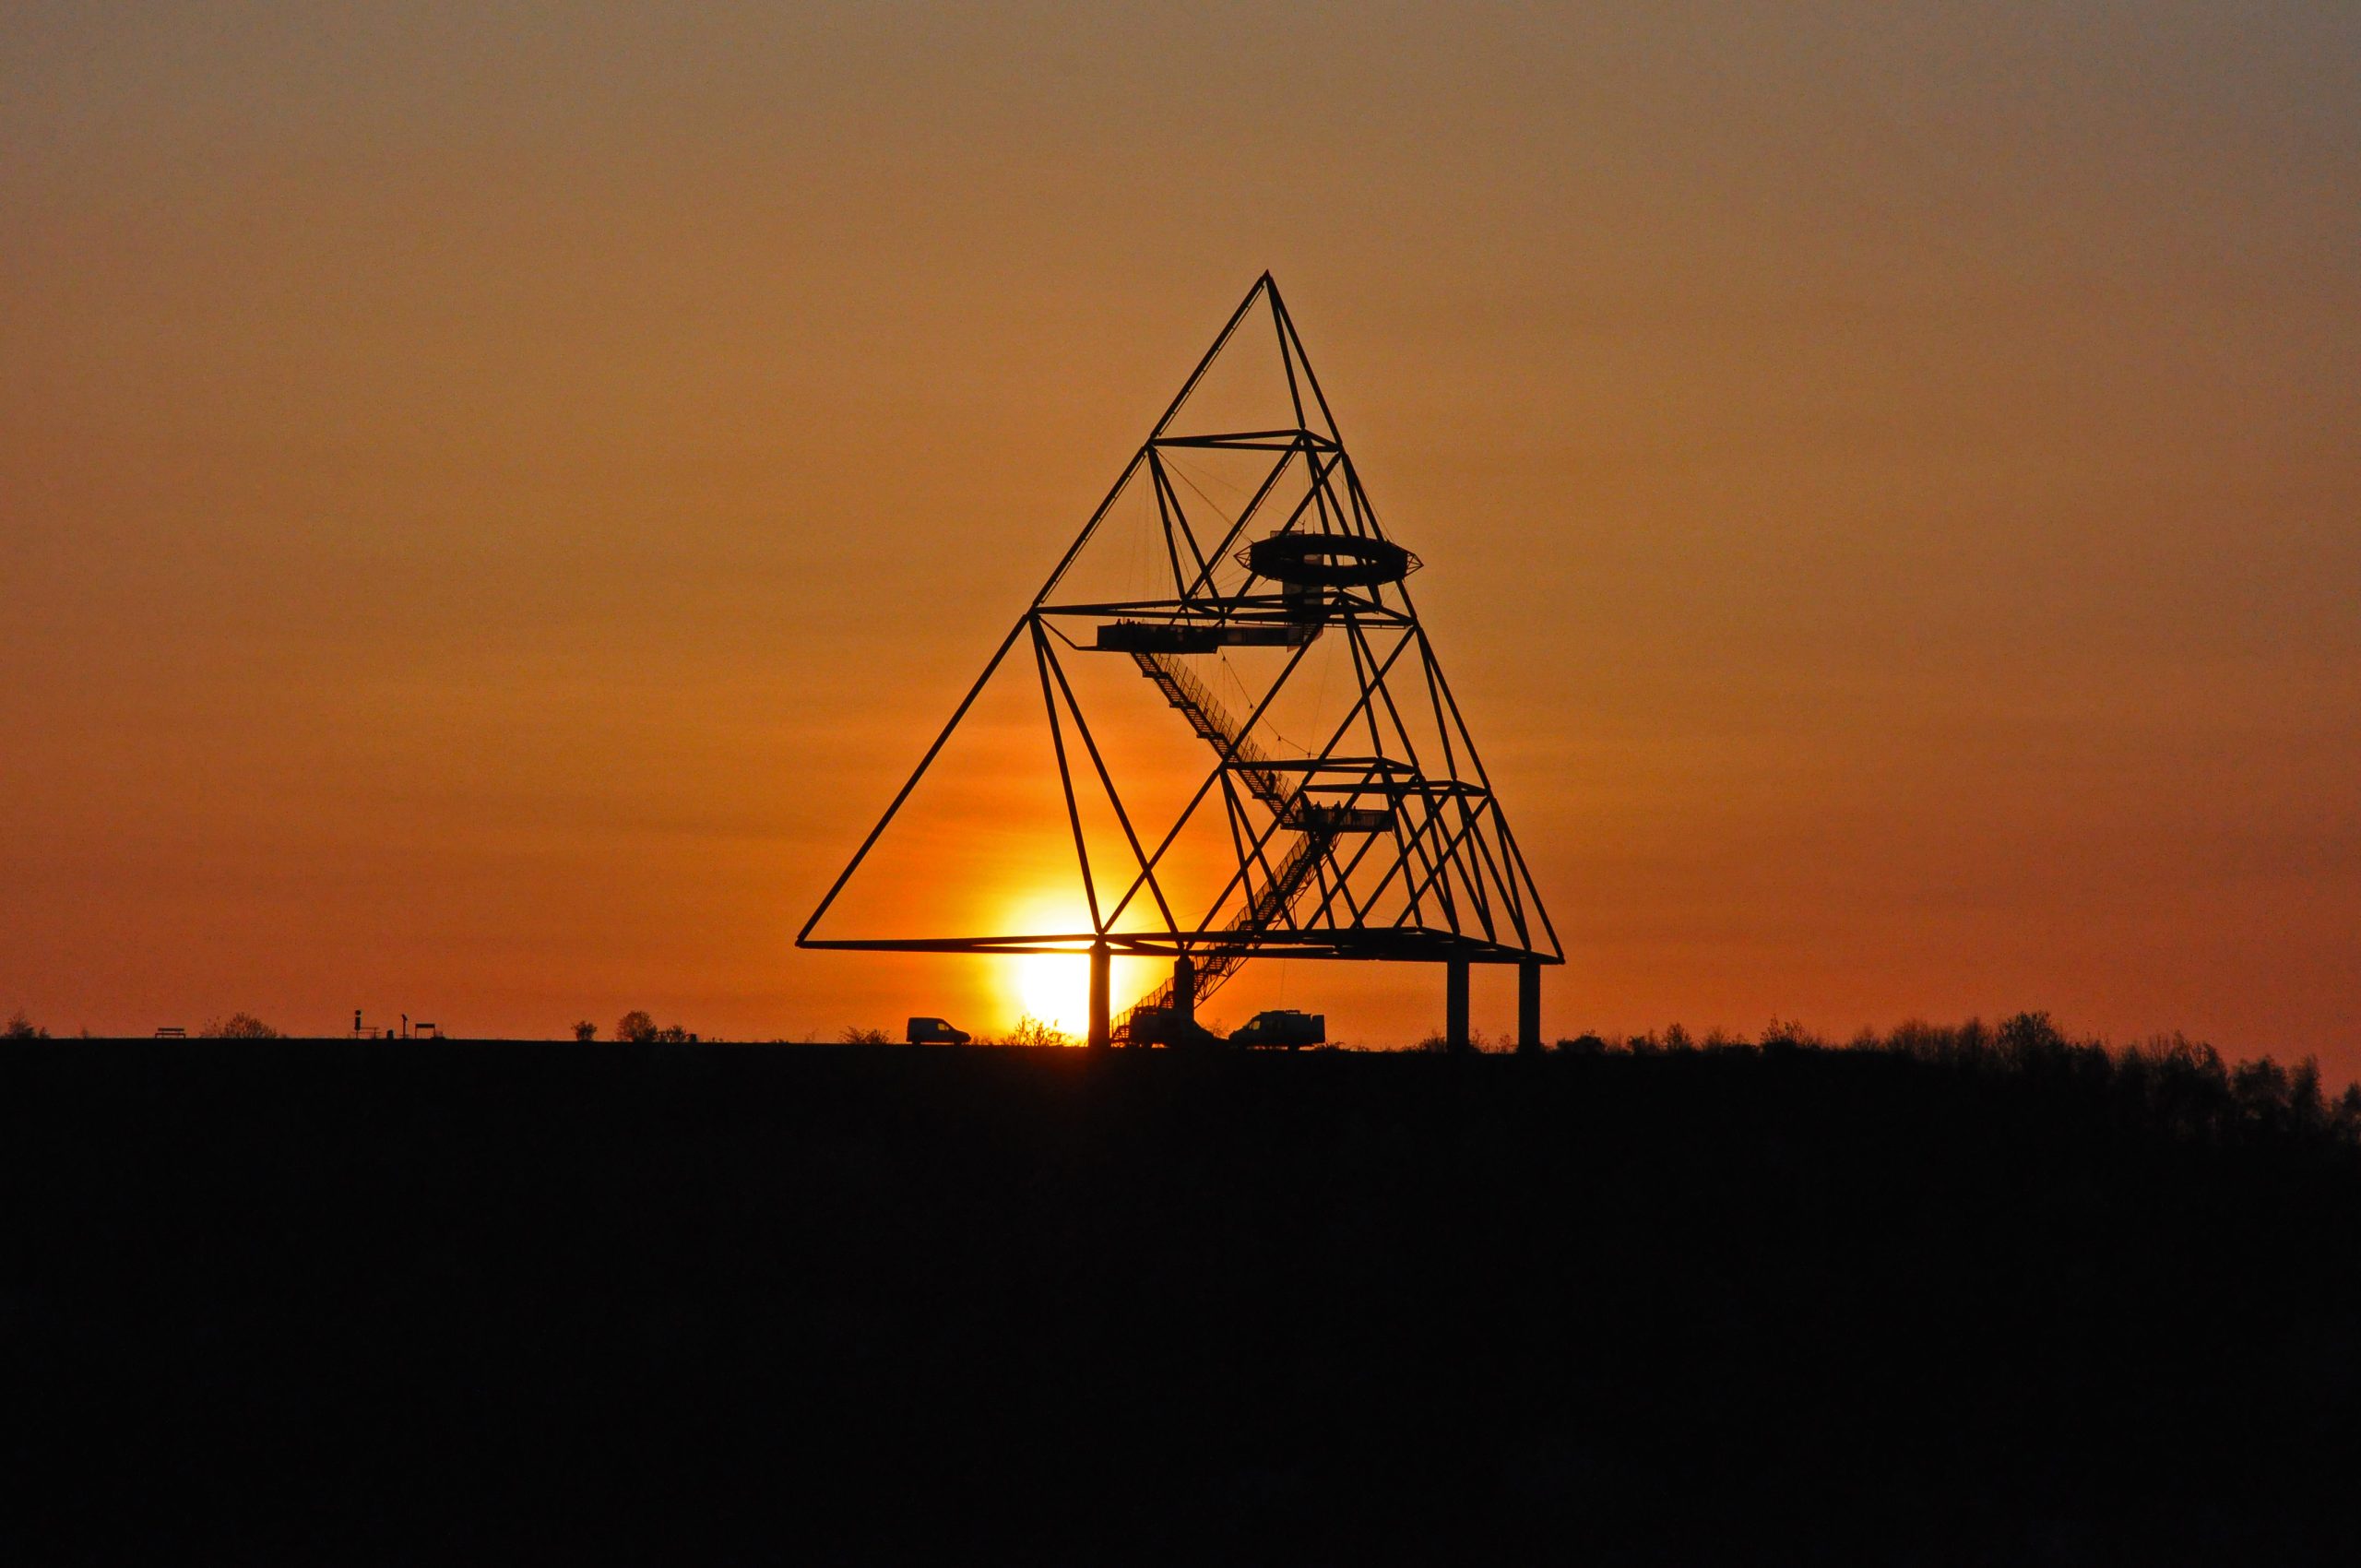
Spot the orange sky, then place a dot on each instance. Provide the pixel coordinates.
(492, 500)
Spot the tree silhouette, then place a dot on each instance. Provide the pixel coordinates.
(238, 1025)
(586, 1031)
(1031, 1030)
(635, 1028)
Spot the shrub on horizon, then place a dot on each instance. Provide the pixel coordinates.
(635, 1028)
(853, 1034)
(19, 1026)
(238, 1025)
(586, 1031)
(1031, 1030)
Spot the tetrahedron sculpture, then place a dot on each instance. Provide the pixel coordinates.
(1236, 593)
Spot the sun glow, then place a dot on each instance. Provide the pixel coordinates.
(1052, 987)
(1055, 988)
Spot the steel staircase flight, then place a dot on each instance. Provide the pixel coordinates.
(1217, 964)
(1272, 902)
(1206, 717)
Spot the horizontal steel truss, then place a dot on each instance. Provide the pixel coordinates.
(1377, 946)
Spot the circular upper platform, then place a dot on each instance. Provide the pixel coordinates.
(1327, 559)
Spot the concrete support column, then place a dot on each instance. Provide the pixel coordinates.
(1184, 988)
(1100, 1033)
(1528, 1004)
(1455, 1003)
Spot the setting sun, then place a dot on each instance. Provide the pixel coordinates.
(1054, 988)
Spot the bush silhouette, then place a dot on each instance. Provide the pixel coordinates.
(19, 1026)
(586, 1031)
(1031, 1030)
(2169, 1082)
(635, 1028)
(238, 1025)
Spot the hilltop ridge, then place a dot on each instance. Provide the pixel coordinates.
(1979, 1296)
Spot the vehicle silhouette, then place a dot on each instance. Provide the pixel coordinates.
(1282, 1026)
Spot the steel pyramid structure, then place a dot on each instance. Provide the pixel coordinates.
(1346, 815)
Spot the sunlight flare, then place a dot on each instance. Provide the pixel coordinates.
(1053, 987)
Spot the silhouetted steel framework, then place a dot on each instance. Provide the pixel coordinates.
(1368, 847)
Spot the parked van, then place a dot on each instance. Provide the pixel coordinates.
(934, 1031)
(1283, 1026)
(1169, 1027)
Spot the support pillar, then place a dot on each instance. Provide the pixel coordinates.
(1100, 1034)
(1184, 988)
(1528, 1004)
(1454, 1005)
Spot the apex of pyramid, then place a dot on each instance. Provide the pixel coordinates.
(1255, 379)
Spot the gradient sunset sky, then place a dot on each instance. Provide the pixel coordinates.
(493, 499)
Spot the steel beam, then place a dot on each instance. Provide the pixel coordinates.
(1455, 1003)
(1528, 1005)
(1100, 964)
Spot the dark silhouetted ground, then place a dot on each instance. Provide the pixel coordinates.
(424, 1301)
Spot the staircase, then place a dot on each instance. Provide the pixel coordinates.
(1217, 964)
(1206, 716)
(1271, 902)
